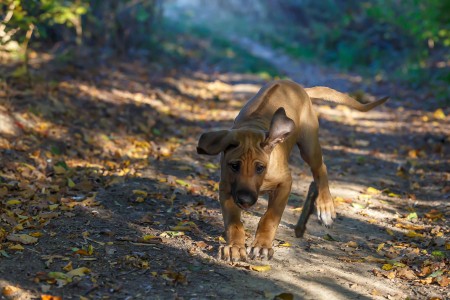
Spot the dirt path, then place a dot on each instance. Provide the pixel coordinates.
(139, 217)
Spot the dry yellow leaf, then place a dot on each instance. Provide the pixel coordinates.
(413, 234)
(389, 231)
(36, 234)
(68, 267)
(13, 202)
(387, 267)
(264, 268)
(439, 114)
(285, 244)
(53, 206)
(16, 247)
(380, 247)
(409, 226)
(373, 191)
(140, 193)
(391, 275)
(78, 272)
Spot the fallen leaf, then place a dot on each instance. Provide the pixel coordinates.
(406, 273)
(438, 253)
(436, 274)
(13, 202)
(263, 268)
(16, 247)
(10, 291)
(387, 267)
(391, 275)
(413, 234)
(439, 114)
(328, 237)
(284, 244)
(140, 193)
(412, 216)
(59, 170)
(70, 183)
(443, 281)
(50, 297)
(182, 182)
(380, 247)
(78, 272)
(434, 214)
(22, 238)
(372, 191)
(68, 267)
(358, 205)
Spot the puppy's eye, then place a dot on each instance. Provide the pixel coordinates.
(235, 166)
(260, 168)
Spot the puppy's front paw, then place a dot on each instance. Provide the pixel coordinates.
(232, 253)
(325, 211)
(260, 250)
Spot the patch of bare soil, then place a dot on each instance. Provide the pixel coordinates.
(102, 194)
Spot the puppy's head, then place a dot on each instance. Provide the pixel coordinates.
(246, 154)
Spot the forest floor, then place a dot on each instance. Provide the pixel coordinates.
(102, 194)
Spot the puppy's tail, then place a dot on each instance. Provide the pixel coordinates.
(327, 94)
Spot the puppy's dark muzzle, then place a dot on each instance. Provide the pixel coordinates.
(245, 199)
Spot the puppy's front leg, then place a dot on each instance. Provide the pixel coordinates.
(267, 227)
(234, 250)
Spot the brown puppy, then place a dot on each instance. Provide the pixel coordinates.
(254, 160)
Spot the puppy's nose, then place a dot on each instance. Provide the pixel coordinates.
(245, 199)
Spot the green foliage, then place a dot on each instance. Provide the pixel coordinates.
(102, 23)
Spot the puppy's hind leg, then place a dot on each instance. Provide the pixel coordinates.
(311, 152)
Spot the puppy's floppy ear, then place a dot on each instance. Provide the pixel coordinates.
(214, 142)
(280, 128)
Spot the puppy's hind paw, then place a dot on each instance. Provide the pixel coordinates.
(232, 253)
(326, 217)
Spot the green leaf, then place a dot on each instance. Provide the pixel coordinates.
(55, 150)
(412, 215)
(358, 205)
(62, 164)
(70, 183)
(436, 274)
(438, 253)
(328, 237)
(182, 182)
